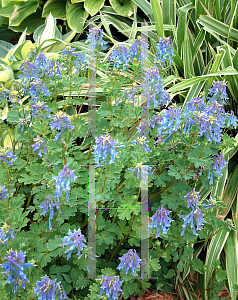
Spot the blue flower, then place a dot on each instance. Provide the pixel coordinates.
(144, 126)
(120, 56)
(232, 120)
(188, 219)
(112, 285)
(161, 220)
(169, 122)
(23, 122)
(211, 203)
(6, 233)
(210, 176)
(193, 198)
(138, 168)
(134, 51)
(74, 240)
(39, 142)
(141, 140)
(95, 36)
(61, 122)
(63, 180)
(14, 268)
(153, 87)
(218, 92)
(37, 106)
(3, 192)
(129, 95)
(29, 72)
(220, 163)
(37, 89)
(46, 289)
(80, 59)
(103, 145)
(48, 205)
(7, 154)
(165, 51)
(130, 260)
(47, 67)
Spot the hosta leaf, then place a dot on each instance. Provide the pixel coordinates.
(76, 15)
(56, 7)
(93, 6)
(22, 11)
(122, 7)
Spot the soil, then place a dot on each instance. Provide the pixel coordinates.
(148, 295)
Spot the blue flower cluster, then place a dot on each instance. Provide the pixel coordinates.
(14, 268)
(23, 122)
(61, 122)
(130, 260)
(37, 106)
(220, 163)
(39, 142)
(79, 59)
(165, 51)
(138, 168)
(193, 203)
(154, 89)
(7, 154)
(74, 240)
(47, 288)
(141, 140)
(5, 233)
(161, 220)
(63, 180)
(95, 36)
(3, 192)
(122, 56)
(208, 119)
(211, 203)
(112, 285)
(103, 145)
(129, 95)
(48, 205)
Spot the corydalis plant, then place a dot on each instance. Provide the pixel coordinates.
(104, 145)
(62, 182)
(112, 286)
(47, 288)
(14, 268)
(130, 260)
(74, 240)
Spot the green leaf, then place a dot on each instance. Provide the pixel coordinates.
(54, 243)
(76, 15)
(170, 274)
(213, 253)
(46, 32)
(188, 82)
(157, 11)
(22, 11)
(56, 7)
(123, 7)
(218, 27)
(31, 23)
(230, 192)
(4, 48)
(93, 6)
(145, 7)
(232, 262)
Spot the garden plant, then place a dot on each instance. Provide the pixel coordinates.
(140, 155)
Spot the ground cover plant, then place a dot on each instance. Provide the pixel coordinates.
(141, 139)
